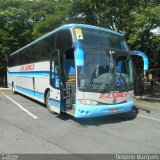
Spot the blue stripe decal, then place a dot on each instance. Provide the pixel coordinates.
(55, 100)
(39, 95)
(31, 92)
(32, 73)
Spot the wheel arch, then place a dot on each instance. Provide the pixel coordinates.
(13, 83)
(45, 94)
(13, 87)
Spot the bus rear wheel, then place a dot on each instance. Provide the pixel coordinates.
(47, 102)
(13, 89)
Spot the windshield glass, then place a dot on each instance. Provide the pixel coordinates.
(100, 38)
(105, 71)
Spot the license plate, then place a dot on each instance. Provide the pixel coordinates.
(114, 110)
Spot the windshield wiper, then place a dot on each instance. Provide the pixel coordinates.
(104, 87)
(112, 71)
(111, 66)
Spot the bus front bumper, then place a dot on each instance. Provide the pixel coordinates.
(86, 111)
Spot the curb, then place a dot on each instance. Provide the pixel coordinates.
(5, 89)
(144, 98)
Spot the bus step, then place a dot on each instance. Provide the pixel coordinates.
(70, 112)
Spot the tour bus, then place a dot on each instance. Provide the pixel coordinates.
(82, 70)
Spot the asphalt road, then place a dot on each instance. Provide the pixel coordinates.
(27, 127)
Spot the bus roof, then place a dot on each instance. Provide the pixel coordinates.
(68, 26)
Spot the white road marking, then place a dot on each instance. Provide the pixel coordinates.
(35, 117)
(21, 107)
(150, 118)
(154, 119)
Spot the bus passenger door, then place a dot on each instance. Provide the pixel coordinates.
(55, 82)
(70, 81)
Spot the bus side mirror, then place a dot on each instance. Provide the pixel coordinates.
(79, 54)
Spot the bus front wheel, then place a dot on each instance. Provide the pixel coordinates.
(48, 103)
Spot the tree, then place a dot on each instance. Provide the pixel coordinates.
(135, 19)
(22, 21)
(141, 36)
(59, 16)
(115, 15)
(15, 26)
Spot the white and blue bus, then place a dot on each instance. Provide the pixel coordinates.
(82, 70)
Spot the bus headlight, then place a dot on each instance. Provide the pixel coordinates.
(130, 99)
(87, 102)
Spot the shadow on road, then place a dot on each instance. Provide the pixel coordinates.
(97, 121)
(109, 119)
(146, 110)
(31, 99)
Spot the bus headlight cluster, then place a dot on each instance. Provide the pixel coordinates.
(130, 99)
(87, 102)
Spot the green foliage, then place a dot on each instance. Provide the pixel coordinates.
(22, 21)
(15, 27)
(115, 15)
(135, 19)
(54, 19)
(141, 36)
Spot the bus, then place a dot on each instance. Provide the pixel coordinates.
(82, 70)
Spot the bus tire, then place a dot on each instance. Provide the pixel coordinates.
(13, 89)
(47, 102)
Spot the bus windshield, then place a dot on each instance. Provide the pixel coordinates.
(100, 38)
(105, 71)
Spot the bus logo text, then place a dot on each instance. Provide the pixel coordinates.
(28, 67)
(113, 95)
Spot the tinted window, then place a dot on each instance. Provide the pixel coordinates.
(100, 38)
(26, 56)
(40, 51)
(13, 60)
(20, 58)
(36, 52)
(64, 40)
(47, 48)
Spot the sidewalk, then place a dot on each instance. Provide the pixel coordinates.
(3, 88)
(153, 96)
